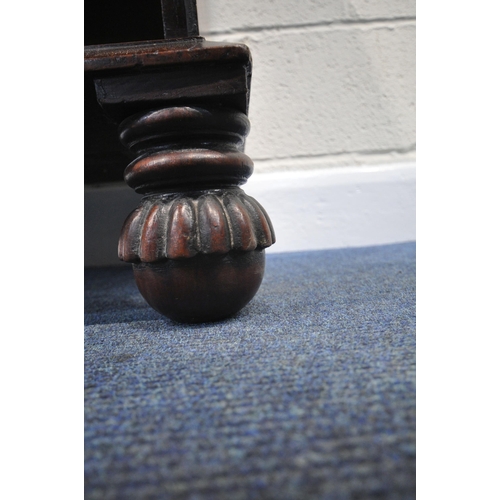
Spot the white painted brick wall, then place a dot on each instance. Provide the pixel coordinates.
(333, 80)
(226, 16)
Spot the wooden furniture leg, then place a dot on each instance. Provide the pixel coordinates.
(197, 241)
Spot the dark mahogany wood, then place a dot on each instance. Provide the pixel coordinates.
(203, 288)
(180, 18)
(197, 240)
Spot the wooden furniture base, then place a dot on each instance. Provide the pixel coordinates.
(197, 240)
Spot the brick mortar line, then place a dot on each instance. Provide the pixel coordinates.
(339, 24)
(326, 156)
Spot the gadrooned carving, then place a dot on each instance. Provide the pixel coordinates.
(178, 226)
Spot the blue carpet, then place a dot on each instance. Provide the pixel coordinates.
(308, 393)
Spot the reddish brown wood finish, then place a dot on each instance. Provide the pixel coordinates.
(177, 226)
(197, 240)
(164, 53)
(202, 288)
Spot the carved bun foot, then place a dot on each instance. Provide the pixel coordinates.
(198, 256)
(197, 240)
(202, 288)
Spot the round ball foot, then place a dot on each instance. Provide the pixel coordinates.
(201, 288)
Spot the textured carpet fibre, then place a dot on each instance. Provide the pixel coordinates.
(308, 393)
